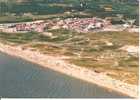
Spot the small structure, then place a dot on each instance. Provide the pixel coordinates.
(131, 49)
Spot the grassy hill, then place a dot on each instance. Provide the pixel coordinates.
(101, 8)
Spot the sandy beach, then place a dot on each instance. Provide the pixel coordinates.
(59, 65)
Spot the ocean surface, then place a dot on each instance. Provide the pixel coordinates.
(19, 78)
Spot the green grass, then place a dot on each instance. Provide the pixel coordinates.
(42, 9)
(85, 50)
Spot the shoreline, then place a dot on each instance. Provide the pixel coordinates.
(59, 65)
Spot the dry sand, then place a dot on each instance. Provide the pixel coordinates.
(59, 65)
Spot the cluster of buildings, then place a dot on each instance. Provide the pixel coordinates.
(36, 26)
(82, 24)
